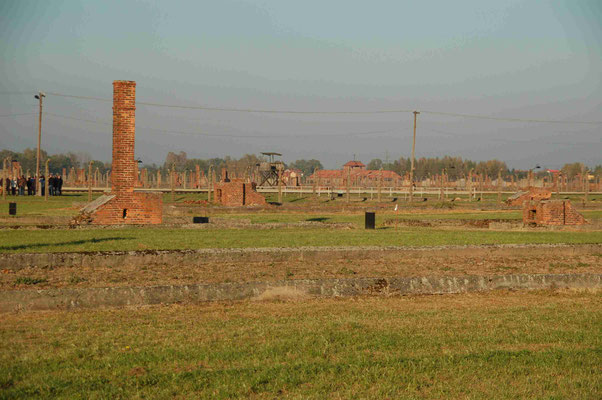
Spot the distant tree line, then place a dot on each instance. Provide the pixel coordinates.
(455, 167)
(27, 159)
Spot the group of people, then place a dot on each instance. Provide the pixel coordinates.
(18, 186)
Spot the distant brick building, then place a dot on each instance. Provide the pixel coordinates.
(291, 177)
(236, 192)
(551, 212)
(123, 205)
(532, 194)
(358, 174)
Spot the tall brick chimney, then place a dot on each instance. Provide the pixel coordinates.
(124, 136)
(123, 205)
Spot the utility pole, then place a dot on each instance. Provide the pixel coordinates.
(413, 156)
(39, 96)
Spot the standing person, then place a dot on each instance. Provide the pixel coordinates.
(51, 185)
(13, 186)
(60, 185)
(22, 182)
(29, 185)
(43, 184)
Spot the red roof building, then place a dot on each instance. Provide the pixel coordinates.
(358, 174)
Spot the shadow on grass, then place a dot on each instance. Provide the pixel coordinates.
(318, 219)
(72, 242)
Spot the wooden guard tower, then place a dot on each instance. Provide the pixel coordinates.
(270, 171)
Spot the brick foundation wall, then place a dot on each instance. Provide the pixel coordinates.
(238, 193)
(552, 212)
(128, 207)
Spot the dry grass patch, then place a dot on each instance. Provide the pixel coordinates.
(499, 345)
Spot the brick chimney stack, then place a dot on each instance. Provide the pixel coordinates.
(123, 205)
(124, 136)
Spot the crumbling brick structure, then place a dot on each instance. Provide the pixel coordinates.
(533, 194)
(551, 212)
(123, 205)
(236, 192)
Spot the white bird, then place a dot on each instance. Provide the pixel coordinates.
(395, 207)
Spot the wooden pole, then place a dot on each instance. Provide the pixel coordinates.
(39, 96)
(413, 157)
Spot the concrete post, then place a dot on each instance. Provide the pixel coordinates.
(209, 183)
(46, 178)
(499, 186)
(5, 178)
(172, 182)
(279, 185)
(90, 181)
(380, 184)
(348, 183)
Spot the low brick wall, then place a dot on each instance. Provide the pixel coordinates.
(18, 261)
(67, 299)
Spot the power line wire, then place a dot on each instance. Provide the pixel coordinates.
(18, 93)
(474, 116)
(14, 115)
(271, 111)
(241, 110)
(226, 135)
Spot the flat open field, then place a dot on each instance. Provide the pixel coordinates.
(501, 345)
(496, 345)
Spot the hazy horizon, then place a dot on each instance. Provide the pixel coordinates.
(511, 59)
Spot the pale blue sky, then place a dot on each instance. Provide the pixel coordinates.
(523, 59)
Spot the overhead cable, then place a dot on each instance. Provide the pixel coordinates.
(14, 115)
(474, 116)
(272, 111)
(171, 131)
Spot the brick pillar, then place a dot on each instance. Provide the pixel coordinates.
(124, 131)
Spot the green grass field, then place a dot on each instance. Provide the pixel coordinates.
(26, 241)
(498, 345)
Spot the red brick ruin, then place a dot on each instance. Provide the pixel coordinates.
(551, 212)
(533, 194)
(237, 192)
(123, 205)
